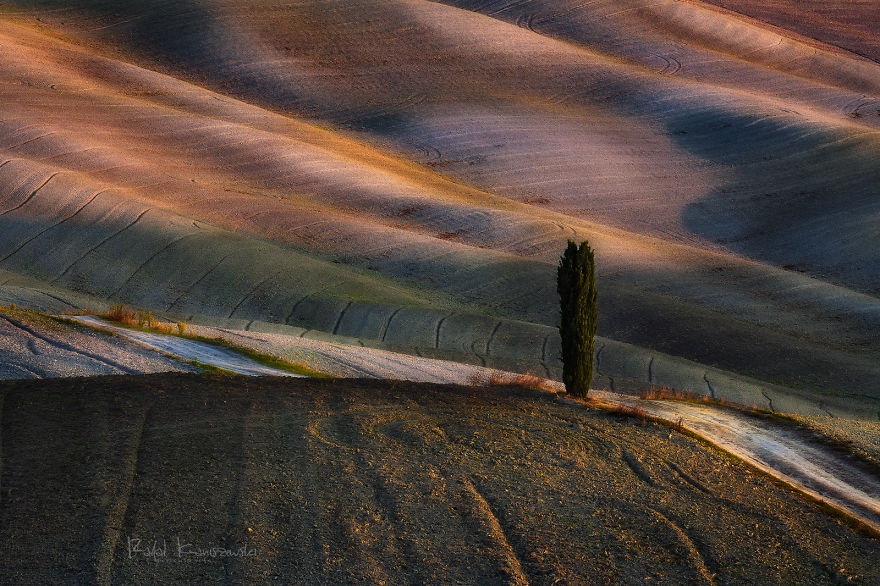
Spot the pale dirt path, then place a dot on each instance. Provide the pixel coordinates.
(345, 360)
(334, 358)
(189, 349)
(781, 451)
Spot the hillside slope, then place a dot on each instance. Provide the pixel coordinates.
(407, 173)
(178, 478)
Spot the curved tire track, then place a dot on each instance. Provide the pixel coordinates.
(98, 245)
(637, 467)
(195, 283)
(117, 511)
(48, 228)
(31, 196)
(692, 551)
(490, 525)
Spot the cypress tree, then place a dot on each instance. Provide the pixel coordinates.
(576, 284)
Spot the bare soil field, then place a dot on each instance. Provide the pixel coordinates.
(182, 478)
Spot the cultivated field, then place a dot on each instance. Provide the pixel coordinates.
(305, 481)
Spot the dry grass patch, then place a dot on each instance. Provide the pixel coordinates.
(661, 393)
(509, 379)
(123, 314)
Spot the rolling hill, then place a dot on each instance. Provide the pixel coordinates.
(406, 173)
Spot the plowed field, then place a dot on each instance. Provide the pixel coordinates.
(181, 478)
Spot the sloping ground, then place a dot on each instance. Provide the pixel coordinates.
(188, 350)
(281, 481)
(619, 367)
(849, 25)
(408, 172)
(783, 451)
(34, 346)
(330, 355)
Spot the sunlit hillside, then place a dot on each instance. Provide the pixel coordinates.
(406, 173)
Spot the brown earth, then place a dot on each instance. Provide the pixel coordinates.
(849, 25)
(380, 481)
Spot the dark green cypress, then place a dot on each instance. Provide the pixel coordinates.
(576, 284)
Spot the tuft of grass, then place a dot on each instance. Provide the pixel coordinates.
(660, 393)
(80, 311)
(636, 412)
(501, 379)
(145, 320)
(122, 314)
(678, 425)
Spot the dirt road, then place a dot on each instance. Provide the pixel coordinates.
(792, 455)
(189, 350)
(33, 345)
